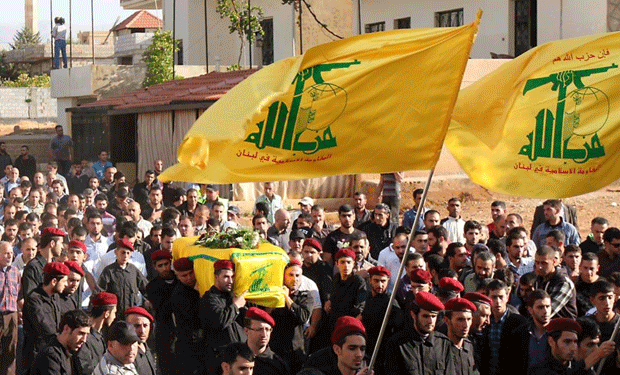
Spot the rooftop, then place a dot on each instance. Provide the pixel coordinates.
(207, 87)
(140, 20)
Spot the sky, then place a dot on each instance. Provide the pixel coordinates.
(106, 13)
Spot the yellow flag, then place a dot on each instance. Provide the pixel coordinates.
(545, 124)
(377, 102)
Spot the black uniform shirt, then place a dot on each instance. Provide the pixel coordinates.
(54, 359)
(219, 318)
(126, 283)
(269, 363)
(145, 363)
(89, 355)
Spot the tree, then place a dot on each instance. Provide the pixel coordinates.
(244, 20)
(24, 38)
(159, 57)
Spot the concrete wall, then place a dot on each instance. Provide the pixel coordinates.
(39, 147)
(27, 103)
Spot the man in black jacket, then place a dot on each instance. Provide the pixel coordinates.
(220, 312)
(41, 311)
(56, 358)
(419, 350)
(529, 345)
(287, 339)
(185, 301)
(503, 322)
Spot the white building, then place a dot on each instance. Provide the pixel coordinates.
(508, 27)
(280, 24)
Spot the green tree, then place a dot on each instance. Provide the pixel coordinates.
(24, 38)
(244, 20)
(159, 57)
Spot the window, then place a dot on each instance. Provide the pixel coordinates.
(449, 18)
(375, 27)
(402, 23)
(180, 52)
(267, 44)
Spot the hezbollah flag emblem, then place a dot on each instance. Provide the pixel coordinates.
(377, 102)
(546, 123)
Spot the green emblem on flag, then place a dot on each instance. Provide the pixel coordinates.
(553, 132)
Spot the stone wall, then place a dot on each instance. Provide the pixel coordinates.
(27, 103)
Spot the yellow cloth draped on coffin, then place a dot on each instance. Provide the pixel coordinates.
(259, 271)
(377, 102)
(545, 124)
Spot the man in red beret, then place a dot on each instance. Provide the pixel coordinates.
(448, 288)
(185, 307)
(76, 252)
(350, 291)
(123, 278)
(67, 299)
(374, 311)
(480, 320)
(562, 338)
(220, 310)
(141, 321)
(102, 315)
(258, 325)
(419, 349)
(50, 247)
(287, 339)
(41, 313)
(346, 353)
(158, 293)
(458, 318)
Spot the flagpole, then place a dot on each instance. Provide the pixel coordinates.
(612, 338)
(400, 271)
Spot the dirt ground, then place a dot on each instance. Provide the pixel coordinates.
(477, 202)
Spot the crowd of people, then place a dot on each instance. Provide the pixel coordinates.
(89, 284)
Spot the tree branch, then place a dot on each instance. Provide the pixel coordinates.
(324, 26)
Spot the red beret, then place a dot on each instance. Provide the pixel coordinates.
(451, 284)
(460, 304)
(104, 299)
(379, 270)
(124, 243)
(140, 311)
(257, 314)
(478, 297)
(313, 242)
(56, 268)
(161, 254)
(223, 264)
(563, 324)
(292, 263)
(428, 301)
(75, 244)
(51, 231)
(346, 252)
(420, 276)
(346, 325)
(74, 267)
(183, 264)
